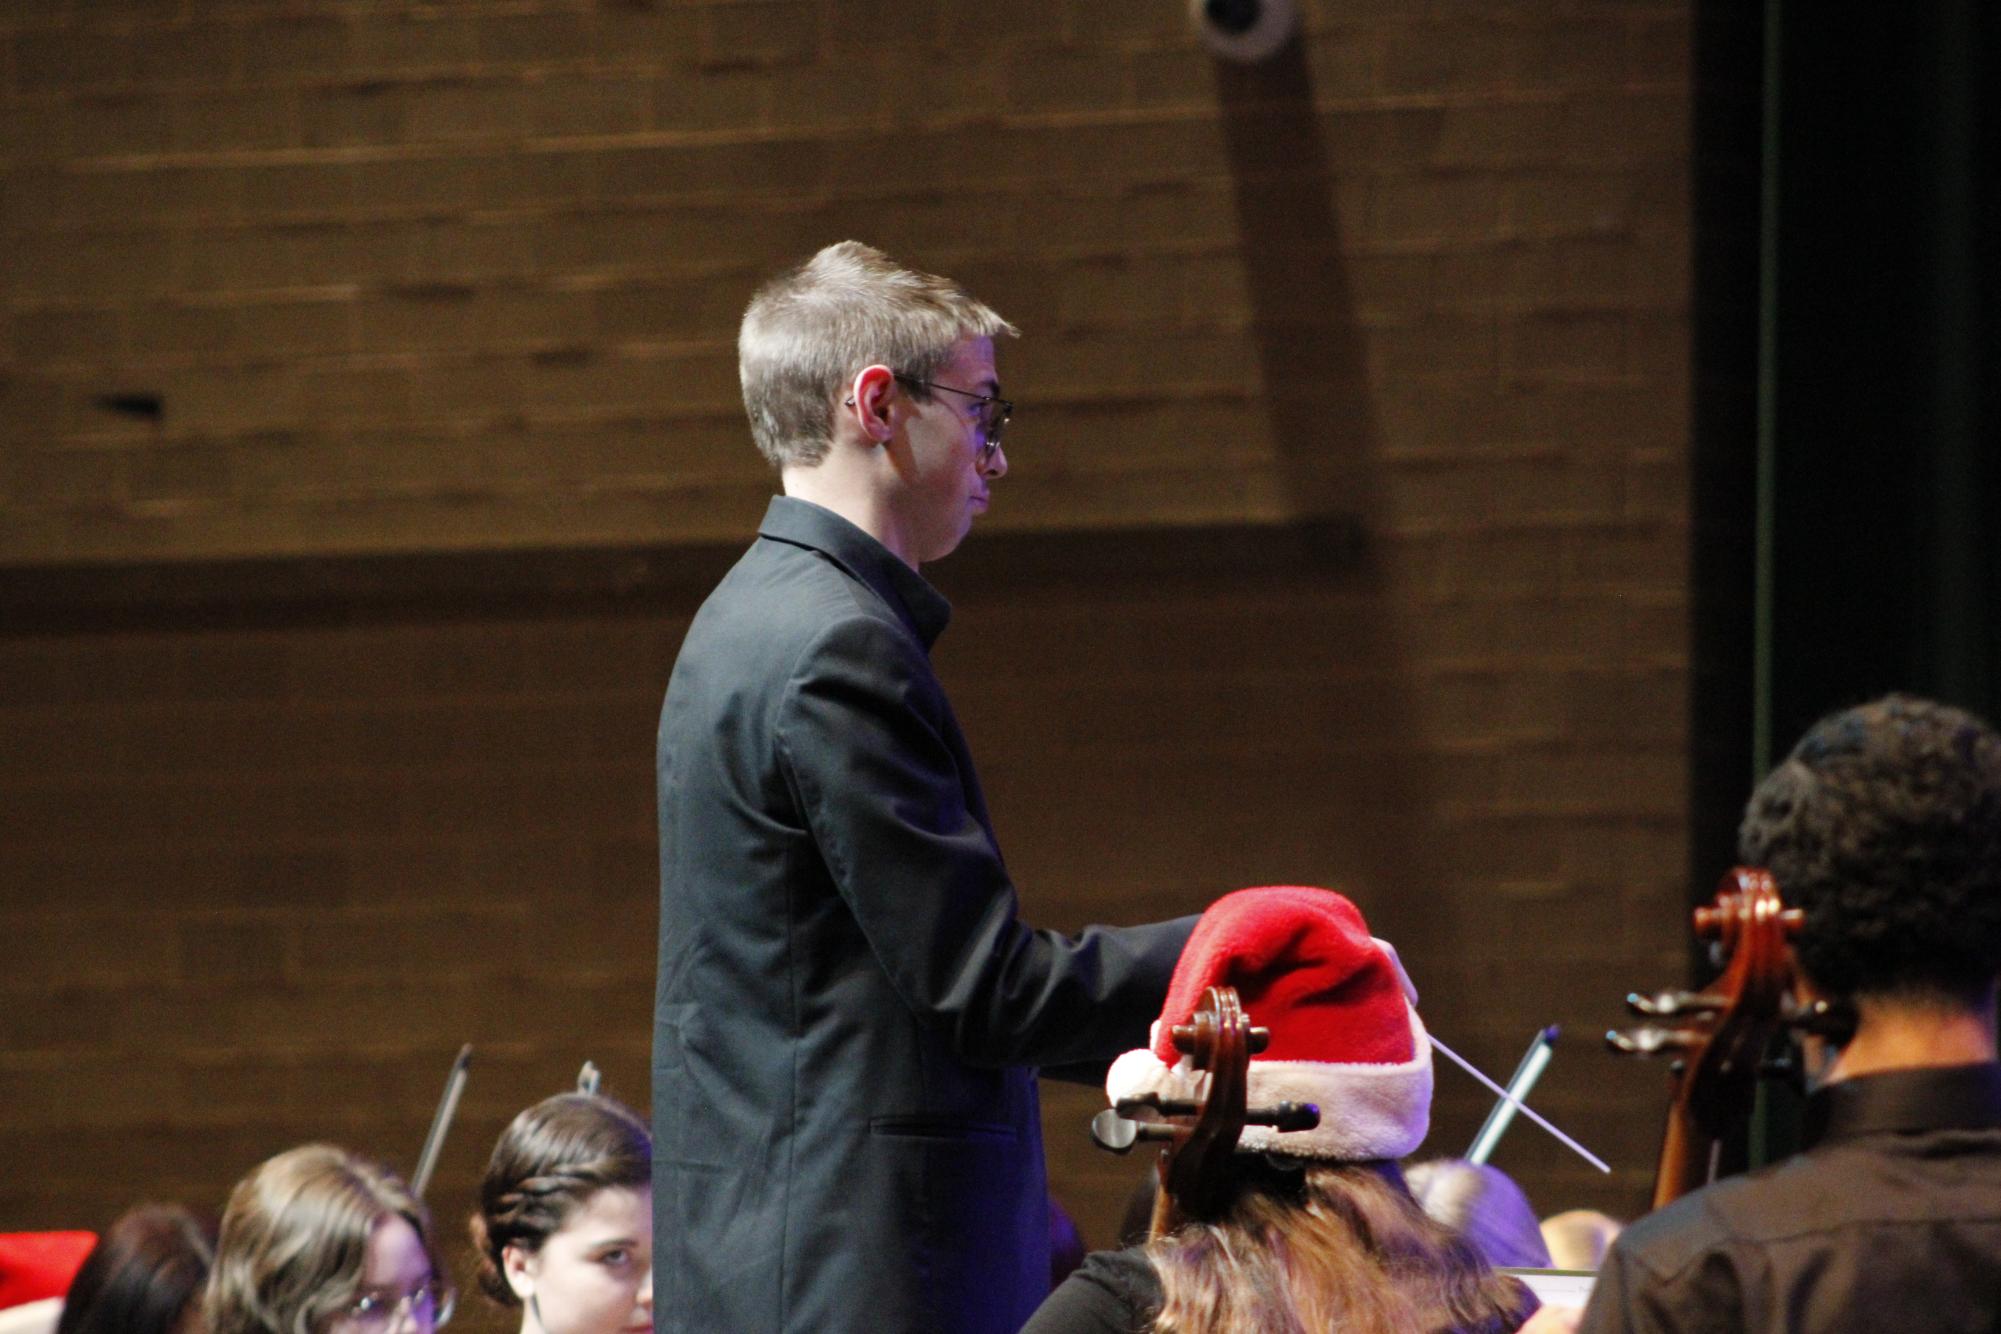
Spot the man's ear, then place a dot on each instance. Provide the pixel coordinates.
(520, 1268)
(868, 399)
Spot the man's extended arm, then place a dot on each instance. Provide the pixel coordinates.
(863, 738)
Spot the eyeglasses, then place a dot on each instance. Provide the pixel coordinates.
(993, 418)
(427, 1307)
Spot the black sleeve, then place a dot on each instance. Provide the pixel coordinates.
(863, 739)
(1114, 1292)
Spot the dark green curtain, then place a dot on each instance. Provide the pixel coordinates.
(1884, 508)
(1847, 494)
(1847, 316)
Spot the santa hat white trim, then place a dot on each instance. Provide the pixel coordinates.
(1367, 1111)
(38, 1317)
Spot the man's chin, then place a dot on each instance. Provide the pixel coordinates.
(949, 544)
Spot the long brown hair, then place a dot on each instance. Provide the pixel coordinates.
(1310, 1246)
(295, 1240)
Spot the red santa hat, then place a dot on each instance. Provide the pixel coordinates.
(1341, 1013)
(35, 1266)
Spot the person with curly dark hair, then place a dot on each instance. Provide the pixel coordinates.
(564, 1230)
(1884, 827)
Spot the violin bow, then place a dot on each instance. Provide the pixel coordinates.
(1534, 1061)
(441, 1121)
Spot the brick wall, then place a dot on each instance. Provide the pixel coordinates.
(419, 279)
(262, 882)
(413, 275)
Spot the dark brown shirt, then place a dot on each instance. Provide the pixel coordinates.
(1889, 1223)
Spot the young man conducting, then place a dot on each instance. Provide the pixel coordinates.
(849, 1011)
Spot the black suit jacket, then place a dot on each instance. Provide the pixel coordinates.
(845, 1117)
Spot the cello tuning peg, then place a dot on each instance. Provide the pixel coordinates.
(1647, 1039)
(1834, 1021)
(1667, 1004)
(1257, 1039)
(1111, 1131)
(1153, 1102)
(1285, 1117)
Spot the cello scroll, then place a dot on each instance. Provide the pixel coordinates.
(1719, 1034)
(1200, 1136)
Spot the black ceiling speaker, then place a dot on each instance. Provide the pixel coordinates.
(1245, 31)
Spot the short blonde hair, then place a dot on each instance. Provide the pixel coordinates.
(1482, 1204)
(850, 306)
(295, 1239)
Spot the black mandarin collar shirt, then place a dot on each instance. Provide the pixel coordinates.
(804, 524)
(1891, 1220)
(1950, 1097)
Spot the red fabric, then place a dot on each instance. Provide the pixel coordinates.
(1304, 967)
(37, 1265)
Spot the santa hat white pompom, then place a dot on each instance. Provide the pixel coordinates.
(1344, 1034)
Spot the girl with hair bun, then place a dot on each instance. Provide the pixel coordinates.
(565, 1223)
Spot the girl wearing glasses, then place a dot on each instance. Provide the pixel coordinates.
(318, 1241)
(565, 1223)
